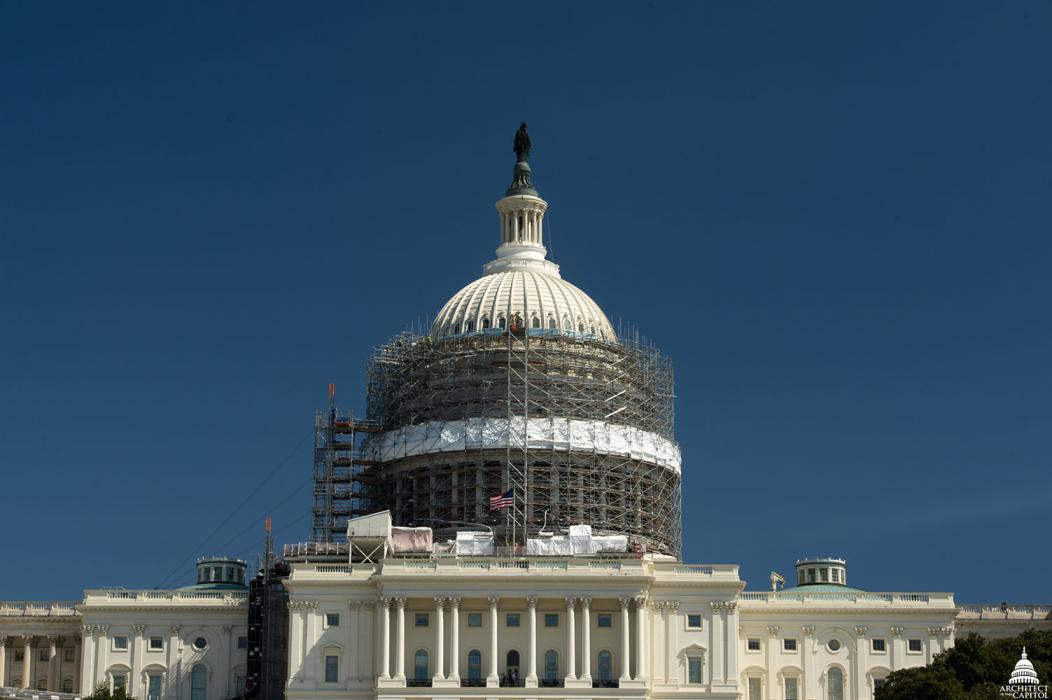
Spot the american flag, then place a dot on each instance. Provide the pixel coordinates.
(504, 500)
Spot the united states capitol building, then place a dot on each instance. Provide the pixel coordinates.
(504, 522)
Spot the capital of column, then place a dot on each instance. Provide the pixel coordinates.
(385, 601)
(716, 605)
(571, 601)
(860, 631)
(585, 602)
(28, 639)
(531, 602)
(53, 639)
(440, 601)
(493, 600)
(310, 604)
(139, 629)
(672, 605)
(354, 604)
(896, 631)
(729, 606)
(772, 630)
(933, 631)
(808, 630)
(174, 629)
(3, 640)
(624, 602)
(454, 601)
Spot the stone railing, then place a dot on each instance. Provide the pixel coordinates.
(1005, 612)
(150, 597)
(37, 609)
(793, 597)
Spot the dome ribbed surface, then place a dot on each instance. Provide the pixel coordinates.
(541, 299)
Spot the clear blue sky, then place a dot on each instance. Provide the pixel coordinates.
(834, 218)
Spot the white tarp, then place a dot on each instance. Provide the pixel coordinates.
(411, 539)
(611, 543)
(538, 433)
(475, 543)
(579, 540)
(558, 545)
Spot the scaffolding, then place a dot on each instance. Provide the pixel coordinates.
(581, 429)
(340, 473)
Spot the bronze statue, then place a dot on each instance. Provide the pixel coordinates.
(522, 143)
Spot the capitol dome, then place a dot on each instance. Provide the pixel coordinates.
(521, 286)
(1023, 673)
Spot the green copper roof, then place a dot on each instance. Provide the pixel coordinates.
(214, 587)
(820, 588)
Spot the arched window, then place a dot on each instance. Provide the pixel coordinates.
(501, 322)
(551, 665)
(420, 666)
(471, 326)
(456, 329)
(592, 331)
(580, 328)
(199, 682)
(836, 684)
(474, 665)
(605, 664)
(485, 322)
(552, 323)
(42, 684)
(67, 685)
(567, 324)
(535, 322)
(513, 661)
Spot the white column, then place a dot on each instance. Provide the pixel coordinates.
(353, 662)
(135, 677)
(385, 638)
(27, 657)
(3, 660)
(929, 649)
(531, 664)
(624, 660)
(77, 651)
(671, 610)
(768, 663)
(860, 661)
(810, 689)
(227, 661)
(454, 639)
(717, 642)
(730, 634)
(586, 640)
(493, 679)
(642, 640)
(52, 659)
(172, 674)
(571, 651)
(87, 650)
(895, 654)
(400, 641)
(440, 638)
(311, 658)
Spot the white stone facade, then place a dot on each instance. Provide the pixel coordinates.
(449, 627)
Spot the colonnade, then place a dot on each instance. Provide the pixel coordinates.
(522, 226)
(449, 674)
(56, 645)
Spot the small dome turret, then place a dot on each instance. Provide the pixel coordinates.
(220, 572)
(821, 570)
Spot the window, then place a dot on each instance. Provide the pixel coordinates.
(332, 668)
(694, 621)
(836, 684)
(153, 687)
(501, 322)
(471, 326)
(551, 619)
(535, 322)
(18, 657)
(567, 325)
(456, 329)
(485, 323)
(753, 644)
(879, 683)
(200, 643)
(915, 646)
(694, 670)
(512, 619)
(156, 643)
(551, 665)
(823, 574)
(199, 683)
(552, 323)
(332, 619)
(605, 666)
(67, 686)
(512, 662)
(474, 665)
(792, 689)
(120, 642)
(43, 653)
(119, 681)
(42, 684)
(67, 654)
(604, 620)
(422, 619)
(420, 666)
(833, 644)
(242, 642)
(789, 644)
(755, 688)
(474, 619)
(879, 646)
(810, 575)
